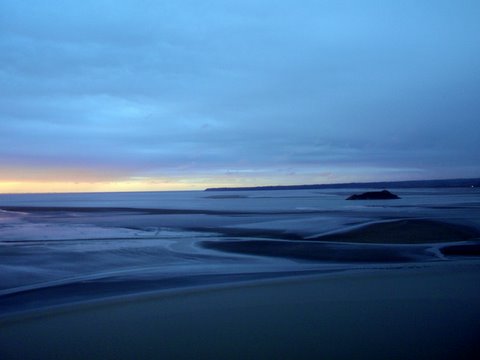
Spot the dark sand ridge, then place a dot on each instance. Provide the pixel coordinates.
(406, 231)
(382, 242)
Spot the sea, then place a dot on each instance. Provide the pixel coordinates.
(63, 249)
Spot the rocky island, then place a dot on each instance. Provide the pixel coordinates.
(374, 195)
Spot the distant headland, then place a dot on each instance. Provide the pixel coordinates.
(449, 183)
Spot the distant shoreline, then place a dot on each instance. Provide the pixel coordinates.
(408, 184)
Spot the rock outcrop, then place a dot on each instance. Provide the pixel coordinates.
(374, 195)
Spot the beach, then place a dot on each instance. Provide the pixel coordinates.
(291, 275)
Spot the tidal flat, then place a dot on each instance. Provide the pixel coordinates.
(262, 274)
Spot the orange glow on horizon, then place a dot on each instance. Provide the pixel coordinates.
(79, 180)
(76, 180)
(14, 180)
(64, 186)
(16, 187)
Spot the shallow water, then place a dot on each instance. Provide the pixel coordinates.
(57, 249)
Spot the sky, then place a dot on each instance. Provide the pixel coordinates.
(119, 95)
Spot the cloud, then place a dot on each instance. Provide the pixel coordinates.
(190, 90)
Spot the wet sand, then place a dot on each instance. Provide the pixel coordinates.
(135, 282)
(407, 313)
(406, 231)
(406, 240)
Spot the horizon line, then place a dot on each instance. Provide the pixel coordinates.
(234, 188)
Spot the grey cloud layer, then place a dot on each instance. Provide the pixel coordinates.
(148, 87)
